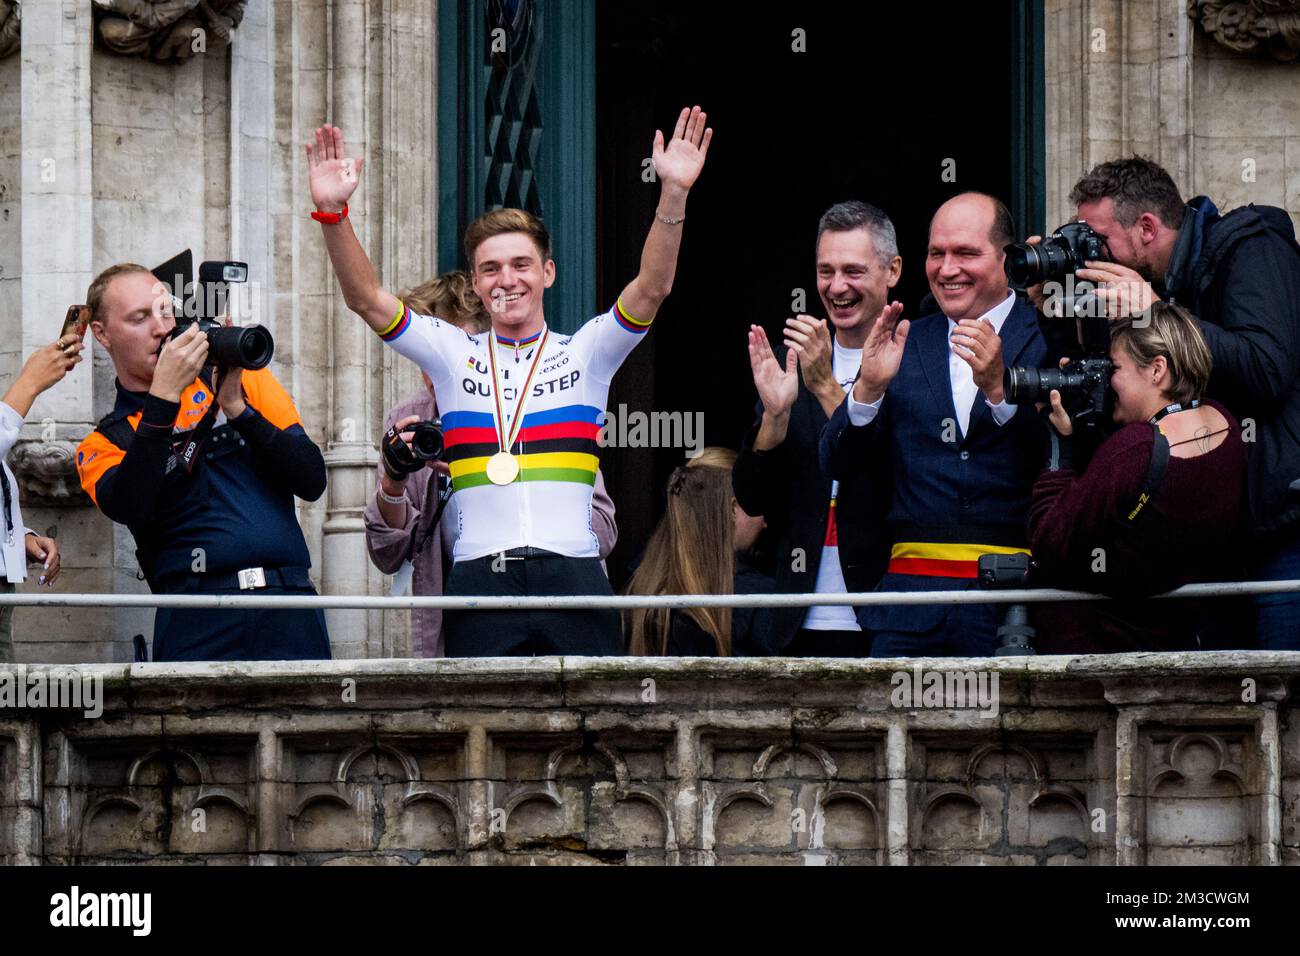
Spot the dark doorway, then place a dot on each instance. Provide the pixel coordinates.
(880, 99)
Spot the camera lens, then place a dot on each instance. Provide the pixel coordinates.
(255, 347)
(249, 348)
(1036, 384)
(1023, 264)
(426, 441)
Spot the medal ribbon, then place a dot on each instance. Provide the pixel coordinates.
(507, 441)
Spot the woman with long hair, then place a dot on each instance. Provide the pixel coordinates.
(701, 546)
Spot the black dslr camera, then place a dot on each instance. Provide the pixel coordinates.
(426, 445)
(1061, 254)
(204, 302)
(1084, 384)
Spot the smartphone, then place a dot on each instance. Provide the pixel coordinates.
(76, 320)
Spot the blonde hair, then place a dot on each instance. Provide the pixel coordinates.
(450, 296)
(1171, 331)
(99, 286)
(714, 456)
(501, 221)
(690, 552)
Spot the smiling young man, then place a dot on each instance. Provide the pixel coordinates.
(827, 532)
(521, 406)
(928, 405)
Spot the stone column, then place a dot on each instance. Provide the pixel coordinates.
(57, 243)
(351, 455)
(1119, 81)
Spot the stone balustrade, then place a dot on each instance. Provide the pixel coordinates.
(1130, 759)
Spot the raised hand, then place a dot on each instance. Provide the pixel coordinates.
(882, 353)
(978, 344)
(680, 161)
(812, 340)
(777, 387)
(334, 176)
(179, 363)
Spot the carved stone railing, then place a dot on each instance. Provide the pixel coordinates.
(1132, 759)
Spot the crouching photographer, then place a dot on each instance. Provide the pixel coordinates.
(1156, 506)
(202, 464)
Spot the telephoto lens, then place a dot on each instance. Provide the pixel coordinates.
(1035, 384)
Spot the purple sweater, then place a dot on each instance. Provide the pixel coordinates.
(390, 546)
(1187, 535)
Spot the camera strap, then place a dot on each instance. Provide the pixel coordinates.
(444, 494)
(1155, 474)
(186, 453)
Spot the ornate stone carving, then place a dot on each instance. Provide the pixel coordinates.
(1019, 801)
(1202, 803)
(46, 473)
(10, 27)
(1251, 26)
(167, 30)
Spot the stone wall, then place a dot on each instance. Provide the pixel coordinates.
(1128, 760)
(1141, 76)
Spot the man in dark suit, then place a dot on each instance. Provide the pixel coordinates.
(929, 406)
(828, 534)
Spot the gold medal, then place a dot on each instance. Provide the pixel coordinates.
(502, 468)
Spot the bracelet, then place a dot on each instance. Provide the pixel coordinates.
(331, 218)
(392, 500)
(671, 222)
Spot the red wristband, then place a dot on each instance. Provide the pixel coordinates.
(331, 218)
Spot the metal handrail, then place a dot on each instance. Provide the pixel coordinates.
(619, 602)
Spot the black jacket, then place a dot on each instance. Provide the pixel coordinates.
(750, 626)
(1240, 274)
(786, 485)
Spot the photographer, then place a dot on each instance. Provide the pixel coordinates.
(402, 519)
(1157, 505)
(1239, 274)
(44, 369)
(202, 465)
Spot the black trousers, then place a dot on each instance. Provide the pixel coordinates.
(591, 633)
(810, 643)
(199, 634)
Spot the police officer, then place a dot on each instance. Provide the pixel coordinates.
(202, 465)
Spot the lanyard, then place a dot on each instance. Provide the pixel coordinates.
(1174, 408)
(506, 435)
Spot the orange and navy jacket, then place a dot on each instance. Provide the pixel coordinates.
(232, 506)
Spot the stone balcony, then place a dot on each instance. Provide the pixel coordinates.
(1132, 759)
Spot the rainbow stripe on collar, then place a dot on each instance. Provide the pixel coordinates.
(520, 343)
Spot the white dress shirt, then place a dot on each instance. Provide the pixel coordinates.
(13, 549)
(960, 376)
(845, 363)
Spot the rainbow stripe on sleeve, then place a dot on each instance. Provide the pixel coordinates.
(401, 322)
(635, 326)
(557, 444)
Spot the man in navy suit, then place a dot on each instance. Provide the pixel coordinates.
(929, 405)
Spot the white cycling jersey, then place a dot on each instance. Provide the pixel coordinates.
(548, 505)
